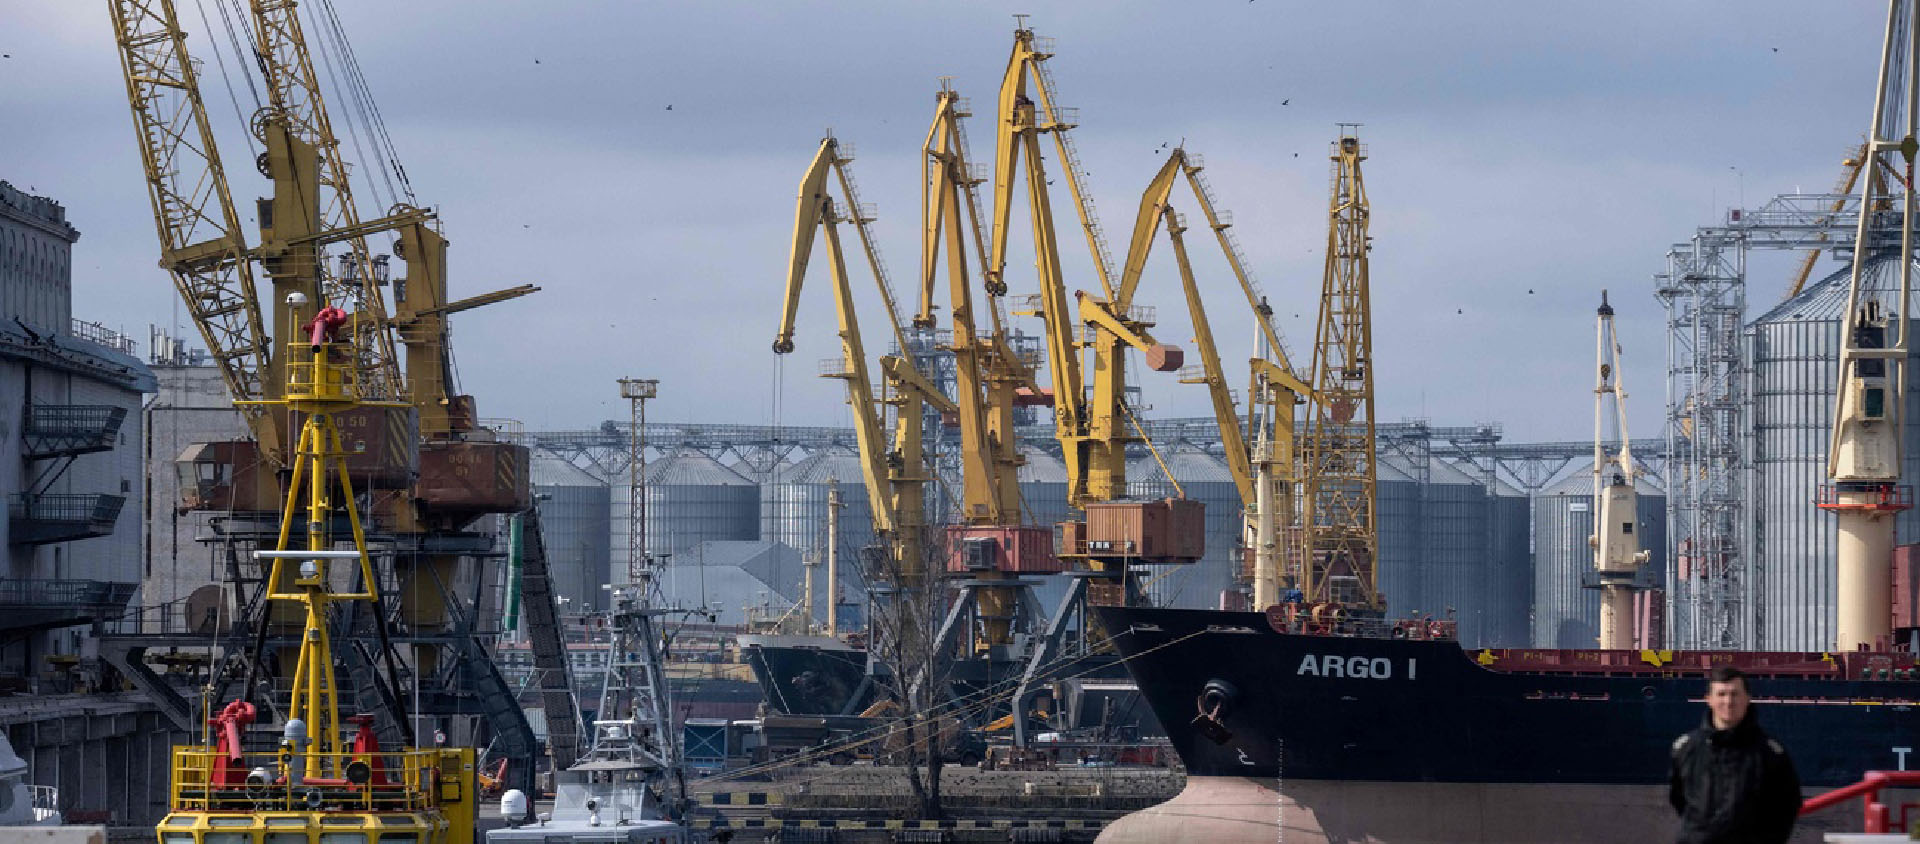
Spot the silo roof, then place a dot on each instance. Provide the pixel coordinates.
(549, 469)
(1581, 483)
(688, 466)
(831, 463)
(1188, 464)
(1825, 299)
(1042, 467)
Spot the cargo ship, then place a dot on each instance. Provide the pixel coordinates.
(1299, 730)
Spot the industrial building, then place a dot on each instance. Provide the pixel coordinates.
(70, 401)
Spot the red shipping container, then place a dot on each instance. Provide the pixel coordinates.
(1015, 549)
(1168, 531)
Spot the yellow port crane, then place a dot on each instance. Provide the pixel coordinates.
(1864, 458)
(895, 474)
(1338, 508)
(419, 491)
(1850, 169)
(1094, 429)
(992, 543)
(1263, 469)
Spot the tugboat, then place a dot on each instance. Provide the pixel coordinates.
(318, 783)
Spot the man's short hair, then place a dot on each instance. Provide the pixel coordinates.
(1726, 674)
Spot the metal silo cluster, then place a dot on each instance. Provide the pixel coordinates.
(690, 498)
(1448, 548)
(1795, 349)
(793, 505)
(575, 521)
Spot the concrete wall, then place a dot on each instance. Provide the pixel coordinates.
(192, 406)
(108, 754)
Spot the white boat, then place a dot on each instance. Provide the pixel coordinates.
(21, 802)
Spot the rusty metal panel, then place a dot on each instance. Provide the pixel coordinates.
(227, 476)
(382, 444)
(1906, 586)
(474, 477)
(1019, 549)
(1168, 531)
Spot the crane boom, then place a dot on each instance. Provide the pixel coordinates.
(201, 243)
(895, 474)
(1092, 430)
(1263, 473)
(293, 91)
(983, 383)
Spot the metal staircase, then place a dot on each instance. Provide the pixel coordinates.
(552, 670)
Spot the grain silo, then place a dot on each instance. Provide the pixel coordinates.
(1456, 549)
(1397, 526)
(1204, 478)
(690, 498)
(1566, 614)
(575, 524)
(1510, 579)
(793, 505)
(1043, 501)
(1795, 350)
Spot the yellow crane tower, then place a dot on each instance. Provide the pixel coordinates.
(1263, 469)
(1338, 512)
(1094, 429)
(1864, 458)
(992, 543)
(895, 474)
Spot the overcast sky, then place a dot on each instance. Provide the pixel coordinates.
(1524, 156)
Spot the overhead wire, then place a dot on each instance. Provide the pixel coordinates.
(959, 707)
(376, 122)
(225, 76)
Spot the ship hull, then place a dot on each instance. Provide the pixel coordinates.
(1243, 809)
(1334, 738)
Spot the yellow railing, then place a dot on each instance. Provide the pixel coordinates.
(385, 782)
(319, 376)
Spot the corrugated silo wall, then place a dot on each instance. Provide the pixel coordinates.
(1045, 503)
(1456, 556)
(681, 516)
(1510, 591)
(574, 523)
(1565, 614)
(1793, 383)
(1398, 528)
(795, 513)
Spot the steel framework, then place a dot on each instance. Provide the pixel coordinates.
(1709, 418)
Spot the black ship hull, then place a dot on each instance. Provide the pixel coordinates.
(1372, 729)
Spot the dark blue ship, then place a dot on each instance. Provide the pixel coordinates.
(1298, 730)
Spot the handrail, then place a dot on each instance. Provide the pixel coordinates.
(1877, 818)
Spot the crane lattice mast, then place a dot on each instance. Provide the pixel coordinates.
(1339, 516)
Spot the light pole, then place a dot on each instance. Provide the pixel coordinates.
(636, 391)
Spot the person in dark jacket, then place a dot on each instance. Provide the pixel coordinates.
(1732, 784)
